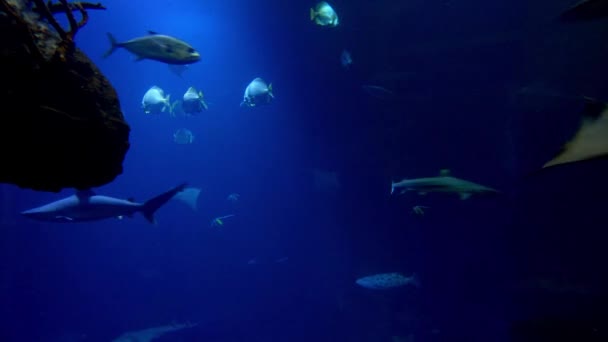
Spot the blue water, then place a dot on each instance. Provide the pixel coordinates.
(454, 69)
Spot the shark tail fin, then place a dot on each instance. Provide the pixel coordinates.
(152, 205)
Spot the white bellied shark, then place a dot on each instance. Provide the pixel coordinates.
(87, 206)
(442, 183)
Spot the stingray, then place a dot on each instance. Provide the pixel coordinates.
(591, 139)
(189, 196)
(586, 10)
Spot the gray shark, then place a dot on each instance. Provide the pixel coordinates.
(442, 183)
(87, 206)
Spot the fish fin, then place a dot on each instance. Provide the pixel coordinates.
(173, 106)
(312, 14)
(465, 195)
(204, 105)
(152, 32)
(153, 204)
(114, 44)
(270, 91)
(444, 172)
(589, 141)
(167, 105)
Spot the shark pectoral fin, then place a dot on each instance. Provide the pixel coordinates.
(465, 195)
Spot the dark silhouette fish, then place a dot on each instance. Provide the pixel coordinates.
(157, 47)
(586, 10)
(591, 139)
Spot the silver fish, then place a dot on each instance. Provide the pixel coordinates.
(192, 101)
(324, 15)
(155, 101)
(257, 93)
(157, 47)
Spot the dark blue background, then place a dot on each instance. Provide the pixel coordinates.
(486, 89)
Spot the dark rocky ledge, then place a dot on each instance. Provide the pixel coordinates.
(61, 122)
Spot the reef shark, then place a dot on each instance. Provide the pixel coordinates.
(87, 206)
(442, 183)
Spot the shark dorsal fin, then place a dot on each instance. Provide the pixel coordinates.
(152, 32)
(444, 172)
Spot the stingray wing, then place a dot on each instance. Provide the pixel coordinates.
(591, 139)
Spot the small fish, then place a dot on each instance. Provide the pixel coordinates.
(157, 47)
(183, 136)
(378, 92)
(193, 102)
(591, 139)
(155, 101)
(189, 196)
(346, 59)
(442, 183)
(88, 206)
(324, 15)
(219, 221)
(257, 93)
(419, 210)
(586, 10)
(233, 197)
(387, 281)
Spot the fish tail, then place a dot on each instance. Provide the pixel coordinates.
(172, 109)
(152, 205)
(312, 14)
(392, 187)
(114, 44)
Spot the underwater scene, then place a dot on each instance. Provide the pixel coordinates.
(357, 171)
